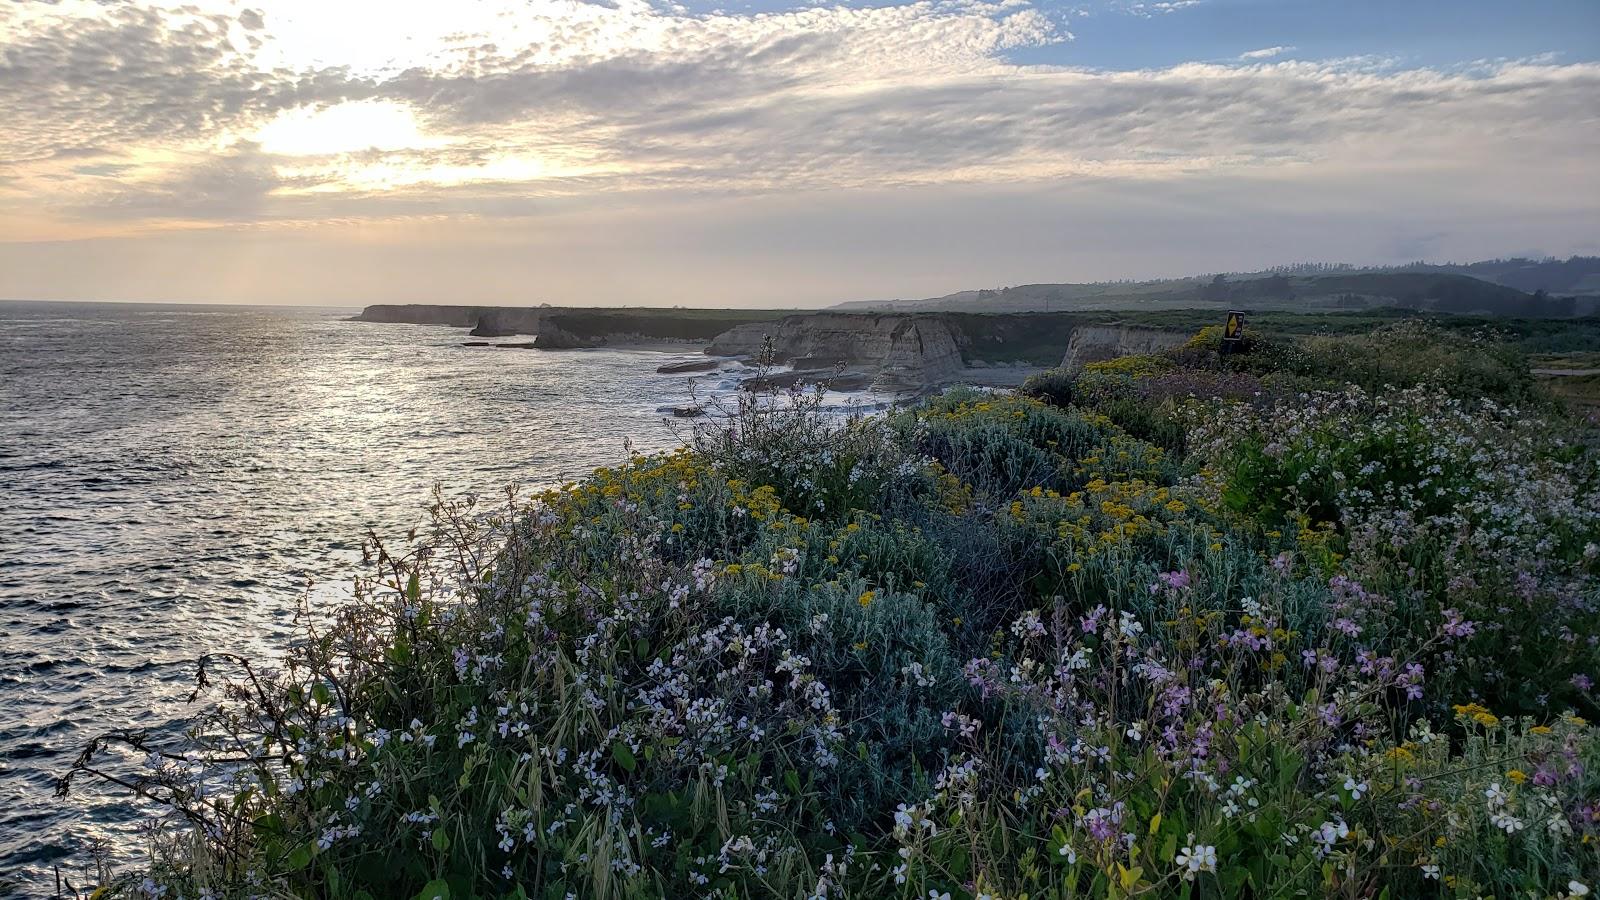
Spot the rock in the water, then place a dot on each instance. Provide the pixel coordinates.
(696, 365)
(485, 330)
(833, 379)
(687, 412)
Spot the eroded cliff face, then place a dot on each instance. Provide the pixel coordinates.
(898, 353)
(1098, 343)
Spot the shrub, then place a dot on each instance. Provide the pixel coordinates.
(985, 647)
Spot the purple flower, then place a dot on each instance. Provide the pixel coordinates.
(1091, 622)
(1411, 680)
(1456, 626)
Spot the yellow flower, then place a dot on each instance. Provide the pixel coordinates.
(866, 598)
(1539, 729)
(1517, 776)
(861, 645)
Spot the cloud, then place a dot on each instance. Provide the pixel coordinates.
(491, 114)
(231, 187)
(131, 77)
(1146, 10)
(1264, 53)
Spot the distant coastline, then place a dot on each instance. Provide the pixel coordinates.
(910, 353)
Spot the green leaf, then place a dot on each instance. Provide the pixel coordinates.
(319, 693)
(437, 889)
(441, 841)
(413, 588)
(624, 756)
(300, 858)
(791, 780)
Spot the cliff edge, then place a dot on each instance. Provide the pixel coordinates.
(1098, 343)
(899, 353)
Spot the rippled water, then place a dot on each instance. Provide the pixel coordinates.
(172, 477)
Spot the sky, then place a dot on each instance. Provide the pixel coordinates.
(345, 152)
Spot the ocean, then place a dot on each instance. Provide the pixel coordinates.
(175, 478)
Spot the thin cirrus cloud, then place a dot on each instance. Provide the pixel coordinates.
(1265, 53)
(134, 119)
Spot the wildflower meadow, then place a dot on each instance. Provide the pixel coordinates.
(1317, 619)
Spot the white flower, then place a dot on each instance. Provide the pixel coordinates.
(1071, 854)
(1495, 795)
(1356, 788)
(1507, 822)
(1577, 888)
(1197, 859)
(936, 895)
(902, 818)
(1430, 871)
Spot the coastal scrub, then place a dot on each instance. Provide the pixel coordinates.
(1310, 644)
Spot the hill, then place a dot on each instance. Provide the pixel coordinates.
(1502, 288)
(1575, 276)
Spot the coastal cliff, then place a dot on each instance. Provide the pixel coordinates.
(1097, 343)
(891, 352)
(421, 314)
(565, 327)
(899, 353)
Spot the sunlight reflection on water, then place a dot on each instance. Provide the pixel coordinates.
(172, 478)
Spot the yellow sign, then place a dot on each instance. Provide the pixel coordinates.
(1235, 327)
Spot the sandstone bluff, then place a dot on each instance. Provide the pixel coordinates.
(904, 353)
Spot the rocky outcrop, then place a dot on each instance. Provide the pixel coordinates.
(923, 353)
(694, 365)
(422, 314)
(1097, 343)
(485, 321)
(898, 352)
(562, 327)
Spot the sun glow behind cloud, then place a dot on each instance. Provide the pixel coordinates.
(345, 128)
